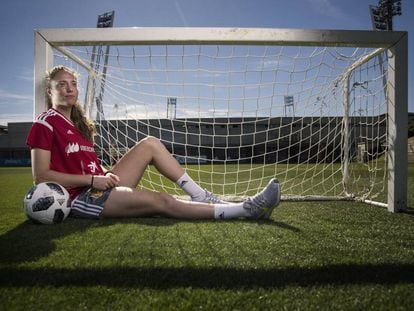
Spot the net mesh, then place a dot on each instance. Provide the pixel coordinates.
(236, 116)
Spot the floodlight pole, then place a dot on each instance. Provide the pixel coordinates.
(289, 105)
(381, 17)
(105, 20)
(171, 108)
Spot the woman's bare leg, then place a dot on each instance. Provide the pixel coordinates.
(132, 165)
(150, 150)
(127, 202)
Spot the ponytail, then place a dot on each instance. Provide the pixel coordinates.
(85, 126)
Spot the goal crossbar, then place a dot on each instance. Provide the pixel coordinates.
(248, 36)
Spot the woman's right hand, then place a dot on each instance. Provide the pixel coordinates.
(104, 182)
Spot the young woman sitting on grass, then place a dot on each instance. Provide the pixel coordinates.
(61, 142)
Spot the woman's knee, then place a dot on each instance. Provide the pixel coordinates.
(147, 146)
(166, 204)
(150, 142)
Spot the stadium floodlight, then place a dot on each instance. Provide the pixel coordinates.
(171, 107)
(382, 15)
(106, 20)
(289, 106)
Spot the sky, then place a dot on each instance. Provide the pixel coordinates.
(20, 18)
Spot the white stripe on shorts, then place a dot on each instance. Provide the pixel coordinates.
(85, 208)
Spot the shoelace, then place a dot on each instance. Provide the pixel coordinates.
(212, 198)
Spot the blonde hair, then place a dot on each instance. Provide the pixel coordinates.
(85, 126)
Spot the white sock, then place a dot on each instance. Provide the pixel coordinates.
(186, 183)
(229, 211)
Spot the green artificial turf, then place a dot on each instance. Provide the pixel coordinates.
(308, 256)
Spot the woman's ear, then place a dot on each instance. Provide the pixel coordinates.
(48, 91)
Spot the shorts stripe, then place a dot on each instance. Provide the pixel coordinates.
(90, 209)
(89, 204)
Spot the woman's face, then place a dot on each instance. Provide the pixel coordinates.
(63, 90)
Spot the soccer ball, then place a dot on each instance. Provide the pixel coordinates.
(47, 203)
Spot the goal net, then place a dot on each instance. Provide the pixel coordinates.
(236, 112)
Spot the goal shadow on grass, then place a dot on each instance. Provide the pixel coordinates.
(211, 277)
(29, 242)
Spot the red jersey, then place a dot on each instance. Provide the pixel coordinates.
(70, 152)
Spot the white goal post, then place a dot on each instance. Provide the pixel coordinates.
(318, 109)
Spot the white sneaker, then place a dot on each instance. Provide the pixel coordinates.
(262, 204)
(209, 198)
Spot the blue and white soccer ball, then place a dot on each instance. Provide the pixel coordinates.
(47, 203)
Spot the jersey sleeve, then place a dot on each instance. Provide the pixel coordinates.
(40, 136)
